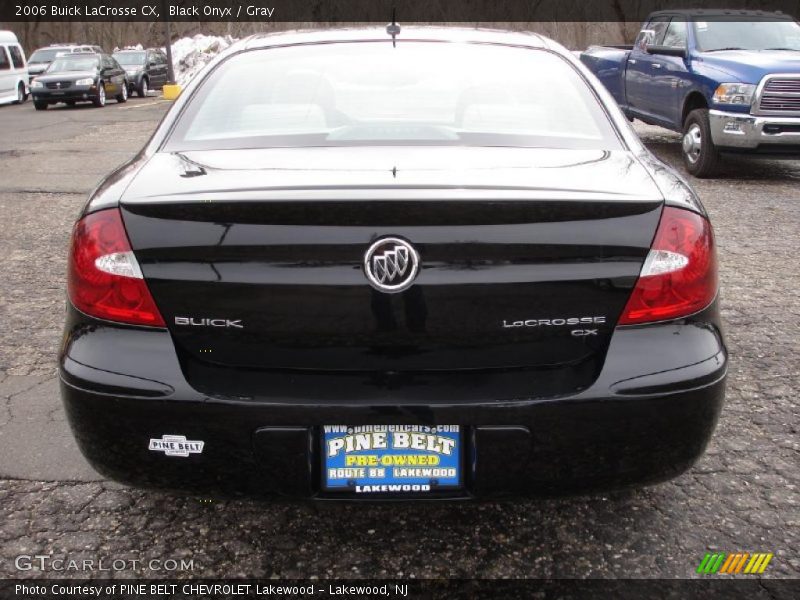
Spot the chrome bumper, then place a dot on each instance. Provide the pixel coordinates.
(743, 131)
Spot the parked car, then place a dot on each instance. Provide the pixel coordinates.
(80, 78)
(41, 58)
(344, 269)
(13, 70)
(729, 81)
(146, 69)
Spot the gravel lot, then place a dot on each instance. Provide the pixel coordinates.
(742, 496)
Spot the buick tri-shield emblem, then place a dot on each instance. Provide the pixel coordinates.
(391, 264)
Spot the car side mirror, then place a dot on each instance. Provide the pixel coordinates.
(666, 50)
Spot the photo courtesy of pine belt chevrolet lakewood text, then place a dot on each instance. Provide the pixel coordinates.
(382, 263)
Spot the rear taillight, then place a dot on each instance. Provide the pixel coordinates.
(104, 278)
(679, 275)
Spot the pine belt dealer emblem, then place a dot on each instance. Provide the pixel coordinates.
(176, 445)
(391, 265)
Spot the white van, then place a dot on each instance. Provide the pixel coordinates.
(13, 70)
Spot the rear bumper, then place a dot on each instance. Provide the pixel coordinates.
(647, 417)
(748, 133)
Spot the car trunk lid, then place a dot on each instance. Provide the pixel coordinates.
(527, 256)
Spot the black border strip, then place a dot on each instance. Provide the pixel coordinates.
(376, 11)
(245, 589)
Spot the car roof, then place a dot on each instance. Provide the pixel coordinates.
(8, 37)
(63, 47)
(690, 13)
(407, 33)
(132, 50)
(77, 55)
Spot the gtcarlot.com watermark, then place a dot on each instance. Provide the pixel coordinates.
(65, 564)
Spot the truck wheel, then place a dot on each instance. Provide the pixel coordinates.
(40, 105)
(700, 155)
(142, 89)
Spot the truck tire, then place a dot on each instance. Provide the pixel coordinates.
(700, 155)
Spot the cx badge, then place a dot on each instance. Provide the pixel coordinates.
(391, 265)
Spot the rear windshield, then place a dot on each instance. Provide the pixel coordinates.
(46, 55)
(370, 93)
(129, 58)
(75, 62)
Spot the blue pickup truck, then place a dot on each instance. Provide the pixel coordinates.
(729, 81)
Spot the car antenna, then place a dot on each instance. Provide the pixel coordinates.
(393, 29)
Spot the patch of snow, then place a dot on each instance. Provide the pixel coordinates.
(191, 54)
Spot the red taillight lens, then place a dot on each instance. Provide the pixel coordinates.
(679, 276)
(104, 278)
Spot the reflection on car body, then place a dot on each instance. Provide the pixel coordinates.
(145, 69)
(41, 58)
(80, 77)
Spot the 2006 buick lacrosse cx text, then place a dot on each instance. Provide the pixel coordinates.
(417, 263)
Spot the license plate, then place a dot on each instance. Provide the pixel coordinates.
(381, 459)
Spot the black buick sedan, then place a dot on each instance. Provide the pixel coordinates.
(434, 265)
(80, 77)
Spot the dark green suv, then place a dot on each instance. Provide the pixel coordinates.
(146, 69)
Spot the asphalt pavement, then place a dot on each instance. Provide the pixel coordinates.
(741, 496)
